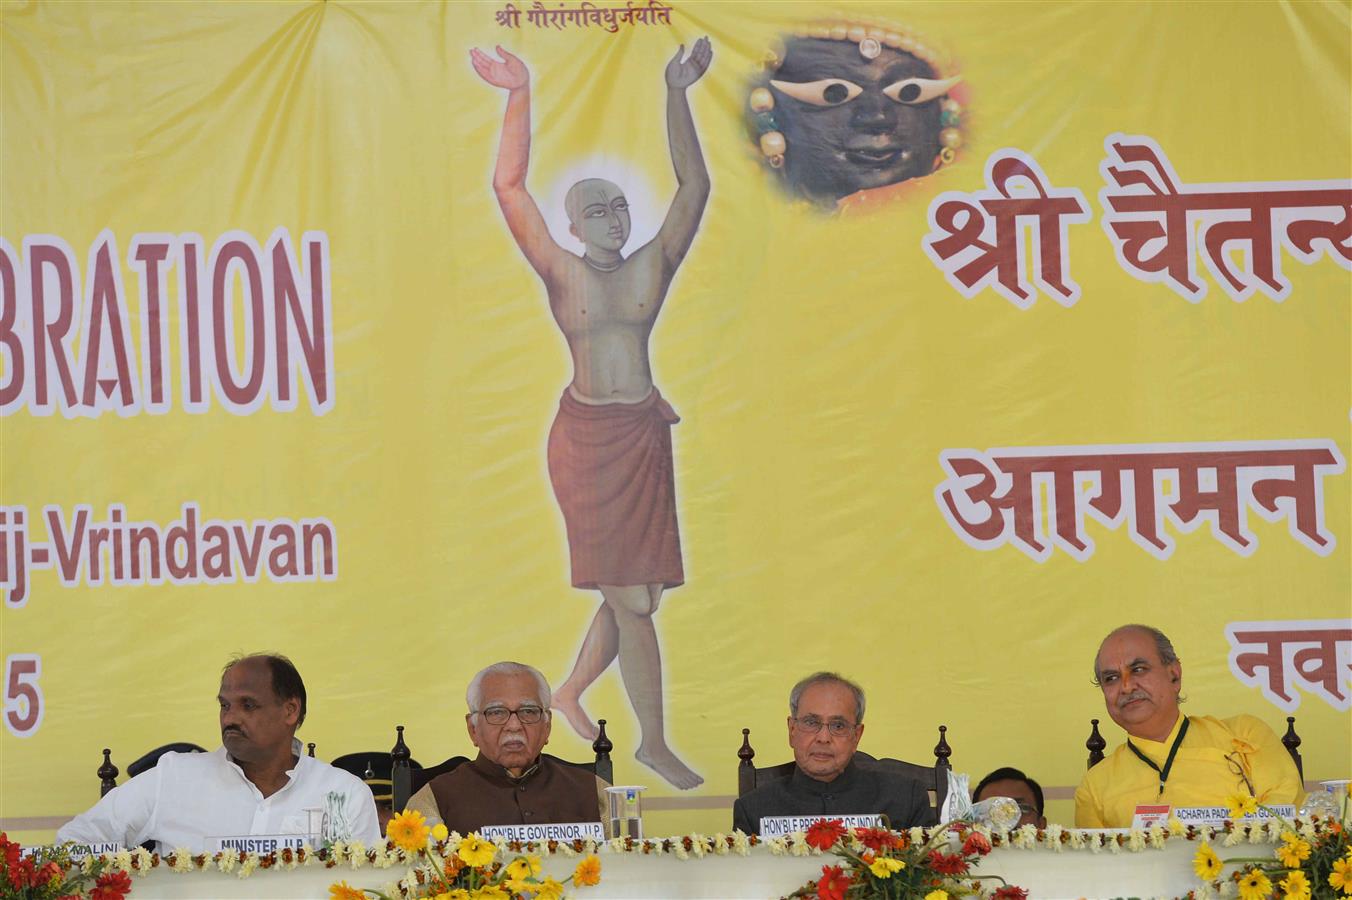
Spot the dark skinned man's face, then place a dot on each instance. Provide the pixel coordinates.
(853, 123)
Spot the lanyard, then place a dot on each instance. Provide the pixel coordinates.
(1168, 761)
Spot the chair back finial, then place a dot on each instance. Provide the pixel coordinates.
(108, 772)
(605, 769)
(1291, 741)
(311, 747)
(401, 773)
(942, 751)
(746, 769)
(1095, 744)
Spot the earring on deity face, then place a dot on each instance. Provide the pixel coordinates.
(771, 142)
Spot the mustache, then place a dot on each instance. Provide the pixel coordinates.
(1134, 695)
(232, 729)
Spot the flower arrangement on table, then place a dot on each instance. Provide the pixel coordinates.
(878, 864)
(465, 868)
(1314, 858)
(51, 873)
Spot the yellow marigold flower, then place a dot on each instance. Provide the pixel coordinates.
(408, 830)
(1341, 877)
(1293, 850)
(1206, 863)
(588, 872)
(549, 889)
(884, 866)
(1295, 886)
(490, 892)
(343, 891)
(523, 867)
(937, 895)
(1241, 805)
(457, 894)
(1255, 885)
(475, 851)
(439, 832)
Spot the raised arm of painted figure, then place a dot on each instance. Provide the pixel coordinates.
(692, 176)
(509, 177)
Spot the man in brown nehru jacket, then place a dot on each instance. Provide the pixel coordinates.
(510, 782)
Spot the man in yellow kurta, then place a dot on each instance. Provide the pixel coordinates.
(1168, 757)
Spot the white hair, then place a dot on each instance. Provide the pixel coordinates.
(474, 695)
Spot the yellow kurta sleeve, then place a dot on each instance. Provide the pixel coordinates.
(1088, 812)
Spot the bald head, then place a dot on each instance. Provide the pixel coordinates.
(599, 215)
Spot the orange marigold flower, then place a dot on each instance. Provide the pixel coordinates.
(588, 872)
(343, 891)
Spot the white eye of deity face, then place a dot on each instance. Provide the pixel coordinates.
(826, 92)
(914, 91)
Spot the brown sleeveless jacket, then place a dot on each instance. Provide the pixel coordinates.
(480, 793)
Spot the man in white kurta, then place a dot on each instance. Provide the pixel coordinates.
(258, 784)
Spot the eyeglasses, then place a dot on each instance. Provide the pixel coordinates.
(1027, 809)
(813, 725)
(1236, 764)
(526, 715)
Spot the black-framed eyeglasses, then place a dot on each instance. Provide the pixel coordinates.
(526, 715)
(836, 727)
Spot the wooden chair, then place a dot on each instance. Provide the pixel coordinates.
(376, 768)
(1291, 741)
(934, 777)
(108, 772)
(407, 781)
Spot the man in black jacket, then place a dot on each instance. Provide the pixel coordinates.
(826, 721)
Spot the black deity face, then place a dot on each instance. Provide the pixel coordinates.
(853, 123)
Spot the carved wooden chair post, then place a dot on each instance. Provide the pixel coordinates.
(107, 773)
(311, 747)
(605, 769)
(746, 769)
(401, 773)
(1291, 741)
(1095, 744)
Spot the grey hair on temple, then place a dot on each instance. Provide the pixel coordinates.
(828, 678)
(474, 694)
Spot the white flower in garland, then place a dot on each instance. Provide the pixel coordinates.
(182, 860)
(680, 851)
(1231, 839)
(699, 845)
(1156, 836)
(1054, 833)
(228, 859)
(247, 864)
(917, 835)
(356, 854)
(1255, 833)
(741, 843)
(1024, 837)
(1136, 840)
(798, 845)
(1176, 827)
(721, 844)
